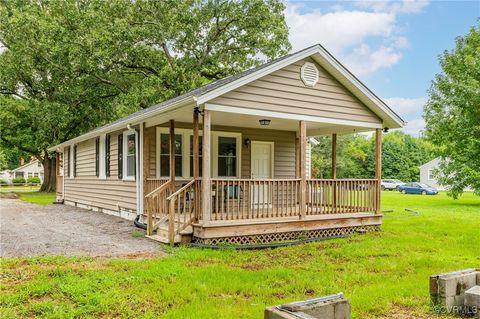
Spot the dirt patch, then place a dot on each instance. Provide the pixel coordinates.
(400, 312)
(8, 195)
(28, 230)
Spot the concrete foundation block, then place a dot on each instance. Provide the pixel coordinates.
(448, 290)
(456, 285)
(329, 307)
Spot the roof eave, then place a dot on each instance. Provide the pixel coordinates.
(123, 123)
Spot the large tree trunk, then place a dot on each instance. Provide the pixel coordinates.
(49, 174)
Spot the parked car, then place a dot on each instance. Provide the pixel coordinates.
(391, 184)
(417, 188)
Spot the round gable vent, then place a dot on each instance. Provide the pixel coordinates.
(309, 74)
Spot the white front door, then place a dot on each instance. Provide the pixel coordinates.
(261, 168)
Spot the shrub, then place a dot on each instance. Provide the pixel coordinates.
(33, 180)
(3, 182)
(18, 180)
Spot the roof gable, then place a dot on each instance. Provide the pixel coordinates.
(285, 91)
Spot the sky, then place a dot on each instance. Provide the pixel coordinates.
(391, 46)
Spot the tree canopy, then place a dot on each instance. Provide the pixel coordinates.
(69, 66)
(452, 114)
(402, 154)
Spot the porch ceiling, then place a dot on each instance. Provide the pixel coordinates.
(238, 119)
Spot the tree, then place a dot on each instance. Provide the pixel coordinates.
(452, 115)
(69, 66)
(402, 154)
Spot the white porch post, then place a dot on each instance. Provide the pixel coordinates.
(378, 168)
(303, 173)
(206, 173)
(196, 162)
(172, 154)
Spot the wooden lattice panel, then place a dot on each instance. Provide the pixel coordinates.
(284, 237)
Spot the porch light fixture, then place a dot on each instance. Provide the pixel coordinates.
(385, 130)
(247, 142)
(264, 122)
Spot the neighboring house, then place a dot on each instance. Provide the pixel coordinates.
(31, 169)
(227, 163)
(427, 174)
(6, 175)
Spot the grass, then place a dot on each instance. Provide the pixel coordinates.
(381, 273)
(40, 198)
(18, 189)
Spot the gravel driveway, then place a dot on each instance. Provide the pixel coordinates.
(33, 230)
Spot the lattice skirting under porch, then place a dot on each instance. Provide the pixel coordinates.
(285, 237)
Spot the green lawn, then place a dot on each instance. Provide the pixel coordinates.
(381, 273)
(18, 189)
(40, 198)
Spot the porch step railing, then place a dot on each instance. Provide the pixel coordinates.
(332, 196)
(156, 206)
(183, 208)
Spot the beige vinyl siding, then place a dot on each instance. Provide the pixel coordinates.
(87, 189)
(284, 91)
(284, 157)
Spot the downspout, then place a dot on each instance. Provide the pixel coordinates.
(139, 169)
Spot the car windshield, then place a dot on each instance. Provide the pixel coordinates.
(423, 185)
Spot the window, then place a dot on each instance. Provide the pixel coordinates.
(165, 154)
(227, 156)
(129, 155)
(61, 158)
(226, 151)
(35, 175)
(431, 174)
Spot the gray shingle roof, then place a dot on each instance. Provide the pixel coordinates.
(198, 91)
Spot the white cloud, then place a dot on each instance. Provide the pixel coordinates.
(414, 127)
(347, 33)
(335, 30)
(405, 106)
(405, 6)
(363, 60)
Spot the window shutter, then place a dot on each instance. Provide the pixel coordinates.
(120, 156)
(75, 160)
(107, 155)
(97, 156)
(67, 152)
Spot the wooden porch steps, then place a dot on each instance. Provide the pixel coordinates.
(161, 234)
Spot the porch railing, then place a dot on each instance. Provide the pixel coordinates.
(234, 199)
(332, 196)
(243, 199)
(152, 184)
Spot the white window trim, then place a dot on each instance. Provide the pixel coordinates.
(215, 136)
(430, 174)
(101, 157)
(125, 152)
(186, 133)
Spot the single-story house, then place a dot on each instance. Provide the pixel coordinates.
(34, 168)
(428, 174)
(226, 163)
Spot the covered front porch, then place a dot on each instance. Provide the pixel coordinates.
(218, 177)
